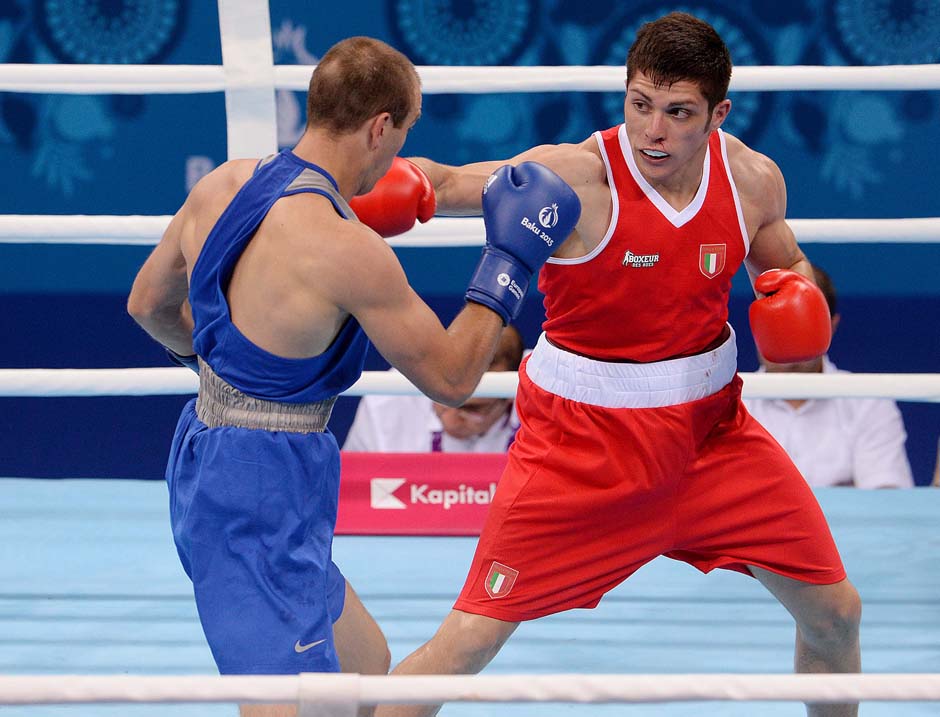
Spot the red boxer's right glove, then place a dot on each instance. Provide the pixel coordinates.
(404, 194)
(791, 321)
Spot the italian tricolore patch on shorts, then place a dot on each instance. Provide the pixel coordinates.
(499, 580)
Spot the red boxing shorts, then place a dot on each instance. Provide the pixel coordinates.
(592, 492)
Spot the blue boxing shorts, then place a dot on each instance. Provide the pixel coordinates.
(253, 514)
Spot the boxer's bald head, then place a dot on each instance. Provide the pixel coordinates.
(359, 78)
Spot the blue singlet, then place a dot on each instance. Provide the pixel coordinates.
(253, 511)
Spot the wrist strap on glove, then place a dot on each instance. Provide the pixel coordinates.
(499, 283)
(190, 362)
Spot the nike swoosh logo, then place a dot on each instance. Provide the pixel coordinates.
(303, 648)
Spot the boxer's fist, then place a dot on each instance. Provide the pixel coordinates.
(791, 321)
(528, 211)
(402, 195)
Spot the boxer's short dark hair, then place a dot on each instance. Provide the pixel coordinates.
(359, 78)
(680, 47)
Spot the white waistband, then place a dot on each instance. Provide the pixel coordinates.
(631, 385)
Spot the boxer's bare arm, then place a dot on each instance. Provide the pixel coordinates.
(368, 282)
(159, 297)
(459, 189)
(763, 195)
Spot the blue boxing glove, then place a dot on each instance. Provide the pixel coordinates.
(528, 211)
(190, 362)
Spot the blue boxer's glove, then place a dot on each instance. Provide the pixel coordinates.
(528, 211)
(190, 362)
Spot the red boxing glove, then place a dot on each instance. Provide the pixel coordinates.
(791, 321)
(404, 194)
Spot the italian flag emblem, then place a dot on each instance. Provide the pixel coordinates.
(711, 259)
(499, 580)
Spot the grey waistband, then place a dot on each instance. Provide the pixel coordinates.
(220, 404)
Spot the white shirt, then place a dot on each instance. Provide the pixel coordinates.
(408, 424)
(840, 441)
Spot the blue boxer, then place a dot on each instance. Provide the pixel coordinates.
(253, 473)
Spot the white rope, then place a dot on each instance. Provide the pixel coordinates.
(866, 230)
(923, 387)
(82, 229)
(182, 79)
(62, 689)
(885, 77)
(47, 382)
(57, 382)
(112, 79)
(440, 232)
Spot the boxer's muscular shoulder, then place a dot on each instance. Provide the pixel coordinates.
(583, 168)
(580, 165)
(759, 182)
(307, 226)
(217, 188)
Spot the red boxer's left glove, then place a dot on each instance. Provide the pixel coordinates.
(791, 321)
(404, 194)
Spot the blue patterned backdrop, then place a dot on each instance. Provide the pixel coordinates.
(845, 154)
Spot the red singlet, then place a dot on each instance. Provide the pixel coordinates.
(657, 285)
(626, 456)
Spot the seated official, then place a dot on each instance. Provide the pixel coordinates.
(416, 424)
(836, 441)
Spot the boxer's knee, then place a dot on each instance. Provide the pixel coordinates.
(833, 622)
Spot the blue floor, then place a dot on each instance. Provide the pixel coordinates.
(90, 584)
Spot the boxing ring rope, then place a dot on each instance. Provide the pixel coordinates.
(190, 79)
(442, 232)
(42, 382)
(336, 695)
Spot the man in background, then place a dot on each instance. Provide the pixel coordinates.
(415, 424)
(836, 441)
